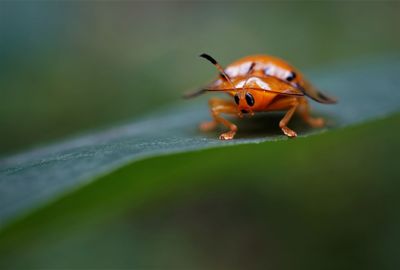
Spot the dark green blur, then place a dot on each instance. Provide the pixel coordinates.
(67, 68)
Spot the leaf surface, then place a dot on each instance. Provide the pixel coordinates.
(365, 91)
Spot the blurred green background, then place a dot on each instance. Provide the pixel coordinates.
(67, 68)
(321, 202)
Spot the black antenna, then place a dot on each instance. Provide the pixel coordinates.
(251, 68)
(218, 66)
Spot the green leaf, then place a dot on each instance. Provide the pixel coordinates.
(330, 199)
(29, 180)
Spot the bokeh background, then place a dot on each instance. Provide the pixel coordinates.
(67, 68)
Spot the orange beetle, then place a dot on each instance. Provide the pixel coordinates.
(260, 83)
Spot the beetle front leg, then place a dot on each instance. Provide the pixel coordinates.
(282, 104)
(218, 106)
(285, 120)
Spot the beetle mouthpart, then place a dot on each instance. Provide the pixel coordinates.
(244, 111)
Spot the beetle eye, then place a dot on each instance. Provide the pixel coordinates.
(236, 99)
(291, 76)
(249, 99)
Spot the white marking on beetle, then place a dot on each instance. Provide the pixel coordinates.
(253, 80)
(272, 70)
(245, 68)
(240, 84)
(238, 70)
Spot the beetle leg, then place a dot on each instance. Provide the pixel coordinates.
(281, 104)
(285, 120)
(304, 112)
(218, 106)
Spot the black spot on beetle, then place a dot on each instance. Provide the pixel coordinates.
(249, 99)
(236, 97)
(291, 76)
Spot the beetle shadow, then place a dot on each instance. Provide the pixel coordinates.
(267, 125)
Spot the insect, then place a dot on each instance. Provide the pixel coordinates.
(260, 83)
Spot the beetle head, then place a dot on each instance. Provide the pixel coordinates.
(245, 101)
